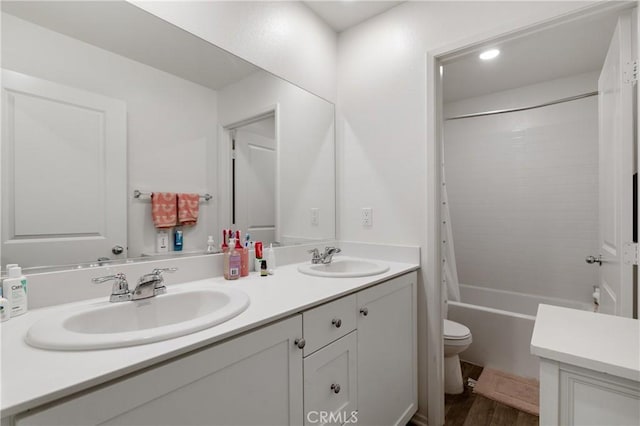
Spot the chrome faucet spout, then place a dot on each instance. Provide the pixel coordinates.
(326, 257)
(152, 284)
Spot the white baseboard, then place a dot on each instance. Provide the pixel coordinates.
(419, 419)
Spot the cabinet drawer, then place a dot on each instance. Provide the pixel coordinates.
(326, 323)
(330, 383)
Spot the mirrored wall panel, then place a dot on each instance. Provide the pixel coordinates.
(105, 104)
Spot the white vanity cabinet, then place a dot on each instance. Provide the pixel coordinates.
(261, 370)
(571, 395)
(589, 367)
(354, 357)
(387, 352)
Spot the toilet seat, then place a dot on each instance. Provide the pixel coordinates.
(455, 332)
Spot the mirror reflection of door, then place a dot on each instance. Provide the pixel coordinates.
(64, 154)
(253, 170)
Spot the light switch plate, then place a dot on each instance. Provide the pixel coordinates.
(315, 216)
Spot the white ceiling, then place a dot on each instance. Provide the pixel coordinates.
(344, 14)
(129, 31)
(561, 51)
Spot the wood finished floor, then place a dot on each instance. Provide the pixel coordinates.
(469, 409)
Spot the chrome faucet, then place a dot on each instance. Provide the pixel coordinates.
(120, 290)
(326, 257)
(149, 285)
(152, 284)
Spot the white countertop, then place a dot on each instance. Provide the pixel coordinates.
(604, 343)
(32, 377)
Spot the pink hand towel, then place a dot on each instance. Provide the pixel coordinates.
(188, 205)
(164, 209)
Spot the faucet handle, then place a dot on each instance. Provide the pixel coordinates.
(120, 289)
(159, 271)
(314, 252)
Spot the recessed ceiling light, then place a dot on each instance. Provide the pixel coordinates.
(489, 54)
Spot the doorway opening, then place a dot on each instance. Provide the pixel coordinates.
(252, 163)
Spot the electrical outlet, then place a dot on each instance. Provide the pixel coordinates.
(367, 216)
(315, 216)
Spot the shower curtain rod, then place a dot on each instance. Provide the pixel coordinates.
(503, 111)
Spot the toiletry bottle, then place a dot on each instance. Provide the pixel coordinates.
(258, 262)
(5, 308)
(225, 246)
(244, 262)
(14, 288)
(162, 241)
(263, 268)
(225, 250)
(271, 260)
(238, 247)
(211, 245)
(233, 272)
(177, 240)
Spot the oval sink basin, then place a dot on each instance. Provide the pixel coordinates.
(113, 325)
(345, 267)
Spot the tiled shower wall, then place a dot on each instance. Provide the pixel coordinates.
(523, 191)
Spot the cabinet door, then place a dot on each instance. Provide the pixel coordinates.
(254, 379)
(330, 383)
(387, 353)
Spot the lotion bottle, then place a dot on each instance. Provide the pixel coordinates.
(271, 260)
(14, 289)
(211, 245)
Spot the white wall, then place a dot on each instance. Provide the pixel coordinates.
(171, 122)
(306, 150)
(382, 125)
(523, 190)
(283, 37)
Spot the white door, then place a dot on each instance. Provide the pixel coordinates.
(616, 168)
(254, 180)
(63, 173)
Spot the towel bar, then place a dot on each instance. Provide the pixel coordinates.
(139, 194)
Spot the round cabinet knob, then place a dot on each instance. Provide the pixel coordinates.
(300, 343)
(337, 322)
(335, 388)
(117, 250)
(364, 311)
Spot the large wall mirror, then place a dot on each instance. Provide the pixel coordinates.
(104, 104)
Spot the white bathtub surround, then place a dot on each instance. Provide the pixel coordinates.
(272, 298)
(523, 186)
(590, 367)
(502, 323)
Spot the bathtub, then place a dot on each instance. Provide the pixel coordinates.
(501, 323)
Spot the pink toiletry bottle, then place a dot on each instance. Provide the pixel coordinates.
(233, 273)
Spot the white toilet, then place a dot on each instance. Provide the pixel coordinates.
(457, 338)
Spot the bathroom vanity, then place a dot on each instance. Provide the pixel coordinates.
(308, 350)
(589, 367)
